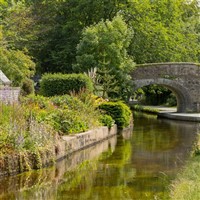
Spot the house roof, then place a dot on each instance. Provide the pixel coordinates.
(3, 79)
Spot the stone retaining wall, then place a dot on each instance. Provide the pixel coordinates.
(9, 94)
(80, 141)
(56, 174)
(13, 164)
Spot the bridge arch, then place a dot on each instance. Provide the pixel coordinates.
(184, 101)
(183, 79)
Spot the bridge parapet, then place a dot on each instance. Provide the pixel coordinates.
(167, 70)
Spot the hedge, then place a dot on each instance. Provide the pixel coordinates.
(119, 111)
(60, 84)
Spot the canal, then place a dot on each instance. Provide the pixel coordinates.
(139, 164)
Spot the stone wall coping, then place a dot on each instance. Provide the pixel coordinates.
(9, 88)
(71, 137)
(167, 63)
(72, 143)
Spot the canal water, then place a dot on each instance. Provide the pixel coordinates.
(139, 164)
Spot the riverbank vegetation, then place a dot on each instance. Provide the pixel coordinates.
(146, 109)
(119, 111)
(31, 131)
(101, 39)
(186, 185)
(19, 132)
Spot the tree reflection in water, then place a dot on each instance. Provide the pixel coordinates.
(133, 165)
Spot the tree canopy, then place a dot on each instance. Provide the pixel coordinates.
(164, 31)
(46, 33)
(104, 46)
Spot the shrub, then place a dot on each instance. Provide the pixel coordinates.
(39, 101)
(66, 114)
(60, 84)
(19, 132)
(119, 111)
(80, 111)
(27, 87)
(107, 120)
(67, 122)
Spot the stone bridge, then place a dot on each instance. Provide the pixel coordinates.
(183, 79)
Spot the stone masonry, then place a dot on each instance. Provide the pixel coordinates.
(183, 79)
(9, 95)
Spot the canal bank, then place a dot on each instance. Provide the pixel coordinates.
(64, 146)
(141, 165)
(193, 117)
(169, 113)
(72, 143)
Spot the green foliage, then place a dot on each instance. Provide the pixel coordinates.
(16, 65)
(171, 100)
(119, 111)
(78, 113)
(19, 132)
(144, 109)
(107, 120)
(186, 185)
(104, 46)
(18, 26)
(157, 95)
(58, 35)
(164, 31)
(27, 87)
(15, 61)
(67, 121)
(66, 114)
(60, 84)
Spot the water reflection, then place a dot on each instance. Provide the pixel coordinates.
(162, 146)
(135, 165)
(42, 184)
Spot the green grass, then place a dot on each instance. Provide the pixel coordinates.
(144, 109)
(187, 184)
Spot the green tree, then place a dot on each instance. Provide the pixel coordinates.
(164, 31)
(50, 30)
(15, 64)
(104, 46)
(156, 95)
(60, 24)
(15, 33)
(18, 26)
